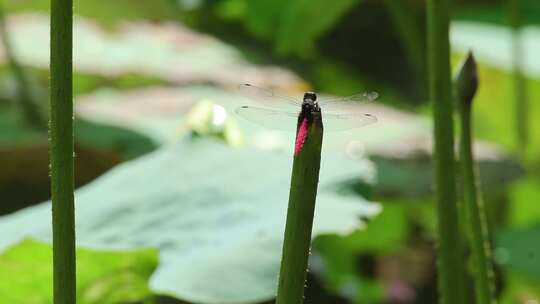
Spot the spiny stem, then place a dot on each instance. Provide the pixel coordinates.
(466, 83)
(296, 246)
(61, 154)
(451, 270)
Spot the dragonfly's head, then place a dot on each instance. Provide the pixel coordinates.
(310, 96)
(310, 102)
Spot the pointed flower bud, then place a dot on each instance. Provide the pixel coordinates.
(466, 81)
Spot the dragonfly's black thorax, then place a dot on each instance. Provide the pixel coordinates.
(310, 107)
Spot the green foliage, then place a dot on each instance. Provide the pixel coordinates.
(518, 250)
(336, 78)
(385, 234)
(409, 33)
(522, 211)
(303, 24)
(294, 26)
(262, 18)
(520, 288)
(13, 130)
(494, 12)
(104, 277)
(106, 12)
(217, 220)
(27, 99)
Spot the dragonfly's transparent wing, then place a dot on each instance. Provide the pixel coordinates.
(343, 122)
(269, 118)
(346, 104)
(359, 98)
(268, 98)
(287, 121)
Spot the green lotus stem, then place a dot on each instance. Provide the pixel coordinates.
(29, 107)
(465, 85)
(520, 81)
(61, 154)
(450, 259)
(296, 246)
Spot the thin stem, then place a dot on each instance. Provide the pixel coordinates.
(61, 136)
(451, 270)
(29, 106)
(466, 83)
(476, 217)
(520, 85)
(296, 246)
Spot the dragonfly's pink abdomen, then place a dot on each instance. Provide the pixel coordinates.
(301, 136)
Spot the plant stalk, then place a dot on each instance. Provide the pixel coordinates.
(300, 213)
(450, 260)
(520, 81)
(61, 153)
(466, 84)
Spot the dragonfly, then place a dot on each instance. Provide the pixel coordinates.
(281, 112)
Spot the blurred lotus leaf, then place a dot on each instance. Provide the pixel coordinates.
(216, 214)
(24, 156)
(519, 250)
(103, 277)
(168, 51)
(492, 44)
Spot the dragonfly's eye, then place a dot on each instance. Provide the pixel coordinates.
(310, 95)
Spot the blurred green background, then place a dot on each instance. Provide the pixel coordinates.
(184, 204)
